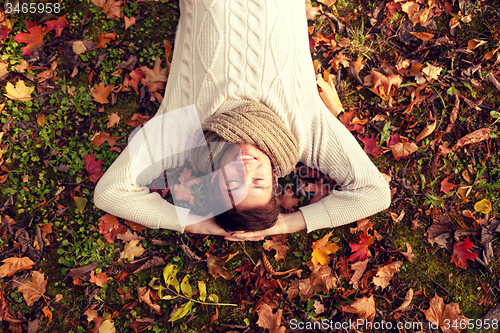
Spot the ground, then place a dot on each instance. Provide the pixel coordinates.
(418, 82)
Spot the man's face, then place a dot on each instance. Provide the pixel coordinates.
(247, 173)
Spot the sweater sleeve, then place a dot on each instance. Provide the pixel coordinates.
(361, 189)
(162, 143)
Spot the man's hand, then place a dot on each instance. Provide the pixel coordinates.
(286, 223)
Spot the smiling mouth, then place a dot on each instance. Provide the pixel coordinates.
(244, 157)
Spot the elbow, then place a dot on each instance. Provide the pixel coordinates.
(383, 195)
(100, 195)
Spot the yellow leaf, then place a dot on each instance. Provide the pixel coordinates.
(186, 287)
(3, 68)
(41, 120)
(20, 92)
(107, 326)
(321, 250)
(80, 203)
(131, 250)
(329, 94)
(203, 290)
(483, 206)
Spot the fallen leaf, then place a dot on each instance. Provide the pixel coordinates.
(34, 289)
(319, 308)
(446, 186)
(288, 201)
(425, 36)
(129, 236)
(13, 265)
(361, 250)
(105, 38)
(474, 137)
(157, 73)
(79, 47)
(107, 326)
(137, 120)
(329, 94)
(483, 206)
(408, 254)
(129, 21)
(359, 268)
(278, 243)
(110, 227)
(216, 265)
(322, 250)
(114, 119)
(370, 145)
(461, 252)
(132, 250)
(311, 11)
(80, 203)
(99, 279)
(136, 76)
(385, 273)
(93, 167)
(57, 25)
(144, 296)
(362, 225)
(427, 131)
(270, 320)
(22, 66)
(403, 149)
(20, 92)
(475, 43)
(4, 33)
(47, 313)
(135, 226)
(112, 9)
(363, 307)
(101, 93)
(385, 86)
(440, 314)
(407, 301)
(99, 138)
(34, 39)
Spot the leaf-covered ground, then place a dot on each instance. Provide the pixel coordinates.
(419, 82)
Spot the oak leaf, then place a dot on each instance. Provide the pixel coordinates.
(270, 320)
(288, 201)
(370, 145)
(132, 250)
(144, 296)
(34, 39)
(322, 249)
(361, 249)
(474, 137)
(20, 92)
(13, 265)
(57, 25)
(99, 279)
(461, 252)
(441, 314)
(363, 307)
(216, 265)
(93, 167)
(329, 93)
(34, 289)
(359, 268)
(101, 93)
(278, 243)
(385, 273)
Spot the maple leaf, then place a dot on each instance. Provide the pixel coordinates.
(288, 201)
(157, 73)
(129, 21)
(112, 9)
(13, 265)
(446, 186)
(385, 273)
(403, 149)
(361, 250)
(20, 92)
(105, 38)
(440, 314)
(278, 243)
(363, 307)
(144, 296)
(352, 122)
(57, 25)
(4, 32)
(93, 167)
(99, 279)
(461, 252)
(322, 249)
(110, 227)
(385, 86)
(131, 250)
(114, 119)
(137, 120)
(329, 93)
(129, 236)
(362, 225)
(322, 278)
(101, 137)
(34, 289)
(216, 265)
(136, 77)
(101, 93)
(183, 193)
(34, 39)
(370, 145)
(270, 320)
(359, 268)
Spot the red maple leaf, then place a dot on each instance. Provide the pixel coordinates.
(370, 143)
(461, 252)
(4, 32)
(394, 140)
(361, 250)
(110, 227)
(34, 39)
(57, 25)
(93, 167)
(288, 201)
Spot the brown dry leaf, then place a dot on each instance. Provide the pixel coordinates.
(79, 47)
(99, 3)
(157, 73)
(311, 11)
(359, 268)
(474, 137)
(446, 186)
(363, 307)
(216, 265)
(322, 278)
(440, 314)
(104, 38)
(99, 279)
(129, 22)
(432, 71)
(385, 273)
(278, 243)
(362, 225)
(112, 9)
(403, 149)
(3, 68)
(100, 137)
(408, 254)
(114, 119)
(425, 36)
(319, 308)
(101, 93)
(407, 301)
(137, 120)
(13, 265)
(329, 93)
(385, 86)
(129, 236)
(22, 66)
(34, 289)
(322, 249)
(132, 250)
(144, 296)
(270, 320)
(427, 131)
(397, 218)
(328, 3)
(475, 43)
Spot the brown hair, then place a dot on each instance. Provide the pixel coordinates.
(252, 219)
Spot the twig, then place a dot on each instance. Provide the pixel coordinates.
(244, 250)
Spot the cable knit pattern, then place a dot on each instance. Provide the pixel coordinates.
(226, 53)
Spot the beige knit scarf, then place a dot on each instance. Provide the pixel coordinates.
(252, 123)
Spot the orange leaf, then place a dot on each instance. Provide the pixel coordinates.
(446, 186)
(102, 137)
(137, 120)
(34, 289)
(288, 201)
(474, 137)
(385, 273)
(385, 86)
(57, 25)
(41, 120)
(157, 73)
(129, 21)
(47, 313)
(101, 93)
(110, 227)
(427, 131)
(329, 93)
(13, 265)
(311, 11)
(403, 149)
(425, 36)
(144, 296)
(322, 249)
(99, 279)
(105, 38)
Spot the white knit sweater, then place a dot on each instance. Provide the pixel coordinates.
(228, 52)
